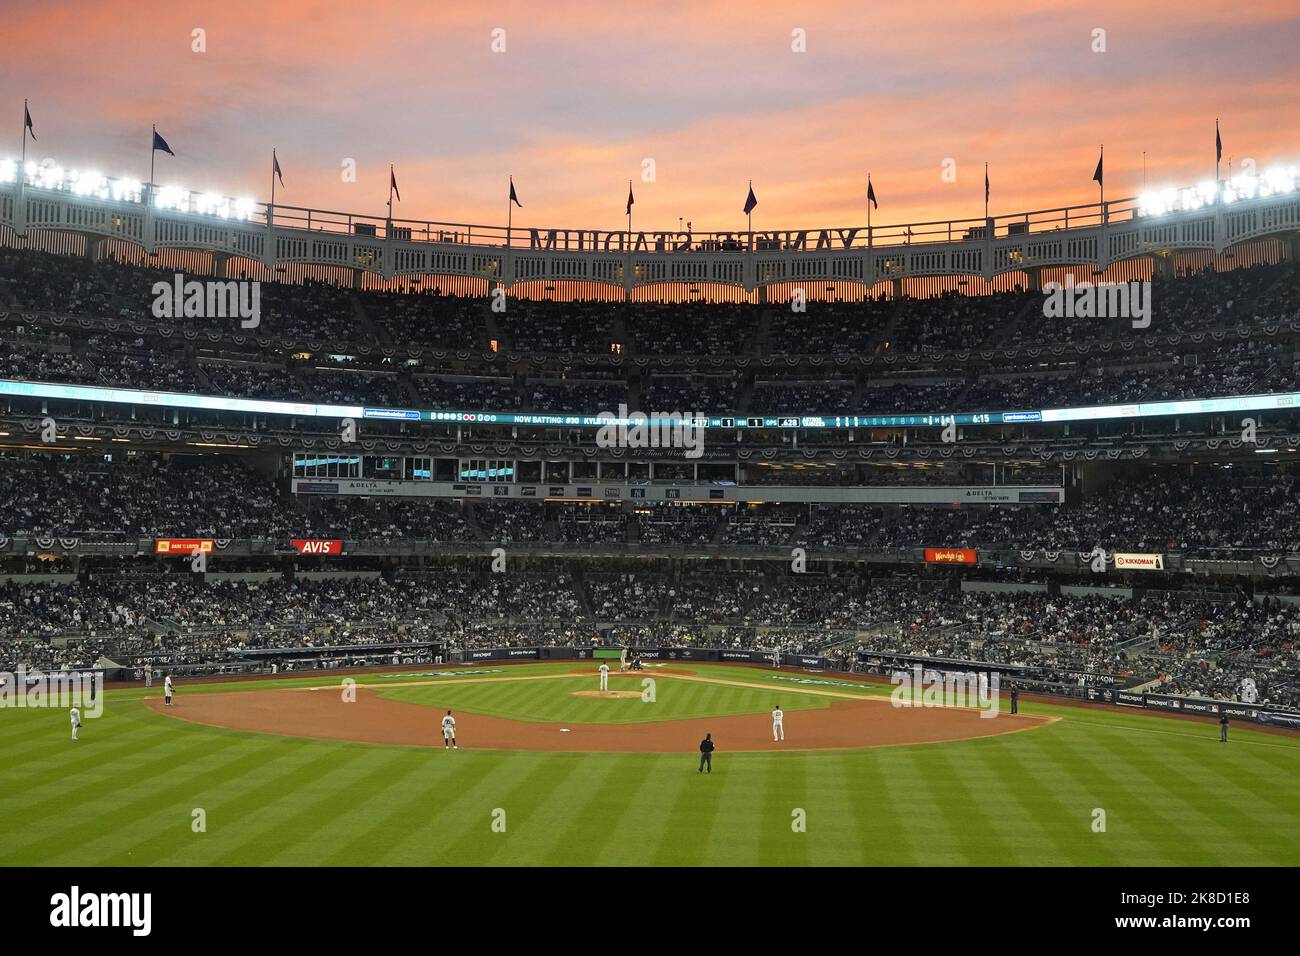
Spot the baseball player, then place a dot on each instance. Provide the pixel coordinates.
(76, 721)
(604, 677)
(167, 690)
(449, 732)
(778, 723)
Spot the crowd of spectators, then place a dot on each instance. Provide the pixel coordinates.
(1193, 644)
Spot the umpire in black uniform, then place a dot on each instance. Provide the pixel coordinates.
(706, 753)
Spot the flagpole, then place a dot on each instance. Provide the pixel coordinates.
(391, 176)
(20, 208)
(270, 211)
(510, 211)
(152, 153)
(986, 194)
(749, 220)
(1218, 148)
(1101, 185)
(868, 210)
(629, 218)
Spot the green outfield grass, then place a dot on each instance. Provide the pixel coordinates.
(124, 793)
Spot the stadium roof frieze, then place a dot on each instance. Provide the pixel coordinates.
(48, 197)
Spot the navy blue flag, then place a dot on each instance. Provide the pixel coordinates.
(275, 167)
(160, 143)
(1096, 177)
(392, 183)
(513, 198)
(986, 184)
(1218, 143)
(27, 122)
(750, 201)
(871, 194)
(630, 200)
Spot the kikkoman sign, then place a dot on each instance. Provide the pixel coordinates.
(1139, 562)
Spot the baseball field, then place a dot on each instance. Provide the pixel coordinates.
(312, 771)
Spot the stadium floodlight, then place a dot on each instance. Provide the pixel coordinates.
(244, 208)
(8, 171)
(1277, 181)
(88, 183)
(126, 190)
(207, 204)
(171, 197)
(49, 176)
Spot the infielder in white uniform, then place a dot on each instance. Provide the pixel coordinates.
(778, 723)
(449, 732)
(167, 690)
(604, 677)
(76, 722)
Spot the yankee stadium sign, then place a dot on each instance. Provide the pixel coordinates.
(595, 240)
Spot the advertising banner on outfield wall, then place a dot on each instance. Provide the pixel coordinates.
(1139, 562)
(951, 555)
(501, 653)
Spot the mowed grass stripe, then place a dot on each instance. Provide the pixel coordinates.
(942, 831)
(641, 828)
(974, 796)
(1188, 797)
(1024, 772)
(593, 822)
(784, 789)
(176, 843)
(59, 793)
(380, 819)
(1142, 834)
(733, 834)
(299, 804)
(693, 815)
(533, 801)
(434, 785)
(1270, 807)
(110, 825)
(863, 812)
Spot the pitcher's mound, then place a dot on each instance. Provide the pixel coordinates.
(620, 694)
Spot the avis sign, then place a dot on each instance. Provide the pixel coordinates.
(318, 546)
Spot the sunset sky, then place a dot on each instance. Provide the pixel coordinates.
(712, 92)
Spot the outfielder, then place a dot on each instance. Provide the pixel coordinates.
(76, 721)
(778, 723)
(449, 732)
(604, 677)
(167, 690)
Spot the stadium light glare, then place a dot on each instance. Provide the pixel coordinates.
(90, 184)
